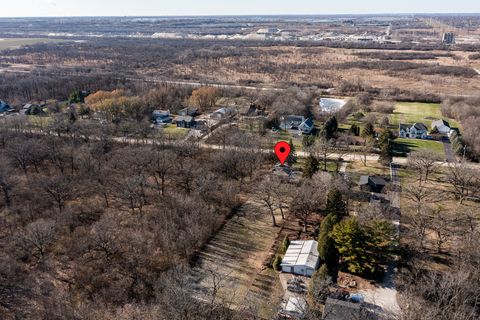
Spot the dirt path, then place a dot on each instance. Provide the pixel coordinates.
(234, 258)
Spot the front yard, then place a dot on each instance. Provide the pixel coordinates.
(404, 146)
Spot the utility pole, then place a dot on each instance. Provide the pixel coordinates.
(464, 151)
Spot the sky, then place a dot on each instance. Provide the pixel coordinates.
(40, 8)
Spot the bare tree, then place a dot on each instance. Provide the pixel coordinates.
(463, 179)
(36, 237)
(424, 162)
(324, 148)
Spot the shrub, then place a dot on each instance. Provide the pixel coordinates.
(276, 263)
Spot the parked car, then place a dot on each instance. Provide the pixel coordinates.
(295, 281)
(297, 288)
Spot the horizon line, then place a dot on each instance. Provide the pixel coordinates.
(250, 15)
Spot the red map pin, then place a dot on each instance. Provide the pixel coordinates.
(282, 150)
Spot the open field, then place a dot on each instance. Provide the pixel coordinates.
(404, 146)
(411, 112)
(13, 43)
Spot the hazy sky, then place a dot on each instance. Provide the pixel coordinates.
(24, 8)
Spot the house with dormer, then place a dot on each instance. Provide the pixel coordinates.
(413, 131)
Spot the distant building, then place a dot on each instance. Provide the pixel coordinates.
(448, 38)
(222, 113)
(441, 126)
(161, 117)
(416, 131)
(301, 258)
(192, 112)
(4, 107)
(299, 123)
(185, 121)
(345, 310)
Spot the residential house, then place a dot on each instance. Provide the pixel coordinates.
(5, 107)
(185, 121)
(222, 113)
(301, 258)
(336, 309)
(161, 117)
(192, 112)
(416, 131)
(441, 126)
(372, 183)
(298, 123)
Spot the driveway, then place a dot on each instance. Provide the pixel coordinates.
(449, 154)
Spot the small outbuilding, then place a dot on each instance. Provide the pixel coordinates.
(345, 310)
(301, 258)
(372, 183)
(442, 126)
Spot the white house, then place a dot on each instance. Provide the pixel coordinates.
(415, 131)
(222, 113)
(301, 258)
(297, 123)
(442, 126)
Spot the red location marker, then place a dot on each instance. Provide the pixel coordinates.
(282, 150)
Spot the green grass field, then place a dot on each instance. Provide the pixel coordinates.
(173, 132)
(13, 43)
(404, 146)
(411, 112)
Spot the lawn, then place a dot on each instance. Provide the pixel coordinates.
(403, 146)
(173, 132)
(411, 112)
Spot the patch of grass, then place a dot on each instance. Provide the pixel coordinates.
(411, 112)
(404, 146)
(172, 131)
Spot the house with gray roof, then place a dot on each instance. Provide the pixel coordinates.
(442, 126)
(413, 131)
(297, 123)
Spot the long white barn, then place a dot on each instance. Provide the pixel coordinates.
(301, 258)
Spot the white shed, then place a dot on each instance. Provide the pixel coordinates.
(301, 258)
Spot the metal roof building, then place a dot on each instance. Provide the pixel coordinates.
(301, 258)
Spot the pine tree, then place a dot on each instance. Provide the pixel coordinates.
(335, 204)
(292, 157)
(385, 142)
(330, 127)
(327, 251)
(311, 166)
(368, 130)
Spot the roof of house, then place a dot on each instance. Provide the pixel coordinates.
(379, 181)
(404, 126)
(439, 123)
(363, 180)
(308, 123)
(344, 310)
(301, 253)
(184, 118)
(420, 126)
(161, 113)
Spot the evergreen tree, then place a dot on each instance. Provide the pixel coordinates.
(326, 245)
(312, 165)
(330, 128)
(76, 97)
(364, 249)
(285, 244)
(336, 206)
(355, 130)
(368, 130)
(385, 142)
(292, 157)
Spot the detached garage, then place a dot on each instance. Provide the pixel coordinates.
(301, 258)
